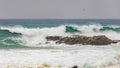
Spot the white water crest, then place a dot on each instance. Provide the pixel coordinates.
(36, 36)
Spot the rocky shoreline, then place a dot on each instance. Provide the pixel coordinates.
(85, 40)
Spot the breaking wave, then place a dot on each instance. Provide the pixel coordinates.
(117, 29)
(36, 36)
(6, 33)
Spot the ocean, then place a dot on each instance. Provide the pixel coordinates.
(23, 43)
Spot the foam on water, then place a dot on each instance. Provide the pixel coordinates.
(83, 57)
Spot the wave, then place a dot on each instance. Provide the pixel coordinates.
(36, 36)
(71, 29)
(110, 28)
(12, 41)
(7, 33)
(91, 28)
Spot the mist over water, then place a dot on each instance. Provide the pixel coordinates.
(26, 42)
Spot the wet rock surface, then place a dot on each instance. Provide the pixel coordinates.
(77, 39)
(75, 66)
(53, 38)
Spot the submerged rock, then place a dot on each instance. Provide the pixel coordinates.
(116, 41)
(75, 66)
(77, 39)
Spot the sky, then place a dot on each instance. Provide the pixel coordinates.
(60, 9)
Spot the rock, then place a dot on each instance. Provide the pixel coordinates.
(47, 42)
(68, 40)
(73, 40)
(53, 38)
(77, 39)
(116, 41)
(75, 66)
(99, 40)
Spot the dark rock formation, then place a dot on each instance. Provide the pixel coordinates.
(98, 40)
(77, 39)
(116, 41)
(75, 66)
(53, 38)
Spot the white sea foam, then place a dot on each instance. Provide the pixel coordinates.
(83, 57)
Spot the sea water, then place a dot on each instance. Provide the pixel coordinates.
(23, 43)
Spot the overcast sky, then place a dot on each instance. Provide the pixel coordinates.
(59, 9)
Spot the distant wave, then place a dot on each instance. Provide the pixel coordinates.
(107, 28)
(92, 28)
